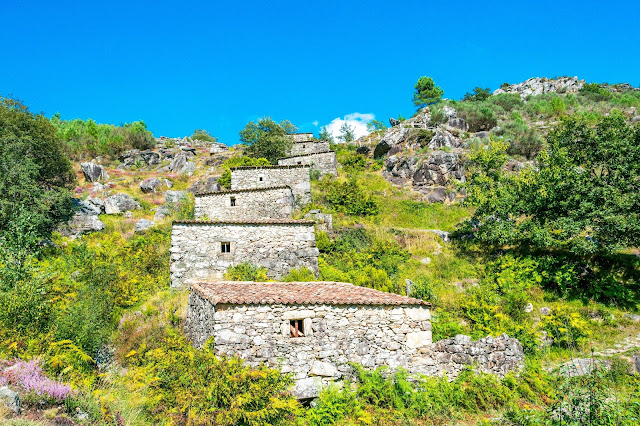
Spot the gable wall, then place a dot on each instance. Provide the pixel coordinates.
(297, 178)
(268, 204)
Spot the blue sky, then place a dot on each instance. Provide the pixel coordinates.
(184, 65)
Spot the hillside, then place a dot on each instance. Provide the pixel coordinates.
(90, 308)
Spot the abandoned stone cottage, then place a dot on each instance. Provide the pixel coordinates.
(276, 202)
(204, 250)
(304, 143)
(295, 177)
(315, 329)
(324, 162)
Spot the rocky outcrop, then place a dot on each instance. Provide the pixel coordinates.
(209, 184)
(93, 172)
(444, 139)
(120, 203)
(538, 86)
(84, 220)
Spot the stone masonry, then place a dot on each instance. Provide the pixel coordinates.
(204, 250)
(325, 162)
(340, 323)
(260, 203)
(300, 137)
(296, 177)
(309, 147)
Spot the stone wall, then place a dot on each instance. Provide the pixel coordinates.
(295, 177)
(309, 147)
(300, 137)
(325, 162)
(372, 336)
(279, 246)
(268, 203)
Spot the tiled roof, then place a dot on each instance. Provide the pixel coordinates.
(245, 222)
(297, 293)
(293, 166)
(235, 191)
(304, 155)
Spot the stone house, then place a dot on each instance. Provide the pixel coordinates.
(300, 137)
(204, 250)
(275, 202)
(313, 330)
(325, 162)
(309, 147)
(294, 176)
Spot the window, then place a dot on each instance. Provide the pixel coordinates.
(299, 162)
(225, 247)
(302, 146)
(233, 201)
(296, 328)
(260, 178)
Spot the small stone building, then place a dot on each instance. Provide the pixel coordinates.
(245, 204)
(295, 176)
(313, 330)
(204, 250)
(300, 137)
(309, 147)
(325, 162)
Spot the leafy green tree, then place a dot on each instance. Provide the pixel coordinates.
(347, 133)
(426, 92)
(35, 174)
(582, 196)
(375, 125)
(267, 138)
(325, 134)
(225, 179)
(479, 94)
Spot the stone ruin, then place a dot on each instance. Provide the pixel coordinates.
(317, 154)
(312, 330)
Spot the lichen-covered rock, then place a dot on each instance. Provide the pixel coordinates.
(10, 399)
(142, 225)
(150, 185)
(459, 123)
(93, 172)
(161, 213)
(444, 139)
(582, 366)
(209, 184)
(174, 197)
(537, 86)
(120, 203)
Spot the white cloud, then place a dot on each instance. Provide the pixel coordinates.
(356, 120)
(315, 123)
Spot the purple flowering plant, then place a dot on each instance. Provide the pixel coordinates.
(29, 376)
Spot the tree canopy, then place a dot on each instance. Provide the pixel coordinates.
(583, 195)
(267, 138)
(35, 173)
(426, 92)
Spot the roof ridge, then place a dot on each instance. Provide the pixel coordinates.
(306, 155)
(298, 293)
(231, 191)
(244, 222)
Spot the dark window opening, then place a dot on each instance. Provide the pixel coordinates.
(296, 328)
(233, 201)
(225, 247)
(302, 146)
(260, 178)
(299, 162)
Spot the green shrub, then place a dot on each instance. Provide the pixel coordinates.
(335, 404)
(479, 115)
(225, 179)
(246, 272)
(522, 139)
(203, 135)
(353, 162)
(595, 93)
(438, 116)
(350, 198)
(301, 274)
(421, 137)
(567, 328)
(507, 101)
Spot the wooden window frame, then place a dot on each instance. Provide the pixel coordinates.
(232, 201)
(225, 247)
(296, 328)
